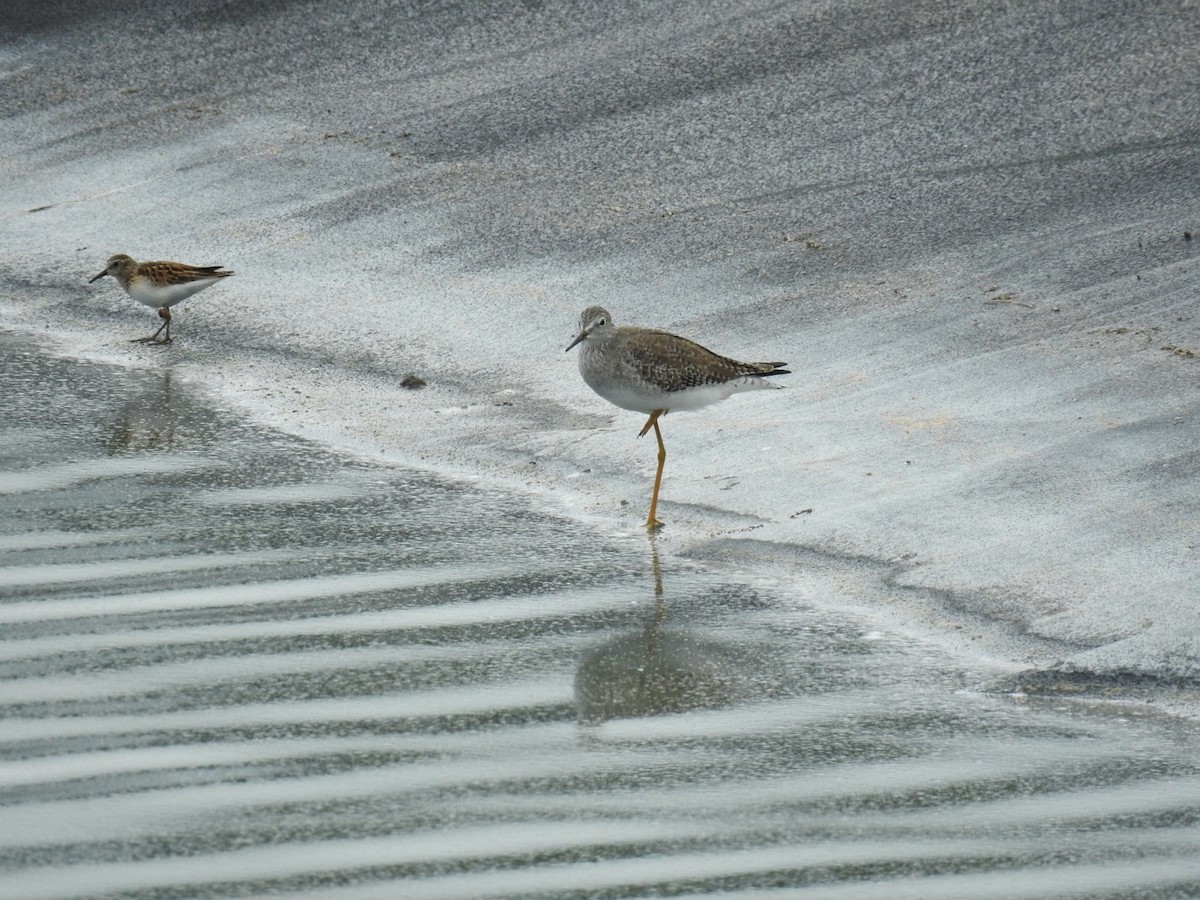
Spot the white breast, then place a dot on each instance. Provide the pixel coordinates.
(640, 397)
(153, 295)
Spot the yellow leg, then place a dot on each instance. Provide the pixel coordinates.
(651, 522)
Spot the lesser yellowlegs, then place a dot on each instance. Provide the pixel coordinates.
(654, 372)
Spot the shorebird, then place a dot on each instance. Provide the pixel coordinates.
(654, 372)
(160, 285)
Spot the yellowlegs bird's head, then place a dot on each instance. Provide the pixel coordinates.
(595, 324)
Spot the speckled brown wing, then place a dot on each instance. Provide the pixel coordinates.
(167, 273)
(673, 363)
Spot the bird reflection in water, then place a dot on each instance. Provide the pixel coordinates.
(164, 416)
(658, 670)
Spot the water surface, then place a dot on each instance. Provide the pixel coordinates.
(235, 663)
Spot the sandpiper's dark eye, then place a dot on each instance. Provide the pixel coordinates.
(602, 321)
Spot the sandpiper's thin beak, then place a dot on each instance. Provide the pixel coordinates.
(582, 336)
(98, 277)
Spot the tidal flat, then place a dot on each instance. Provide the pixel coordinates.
(235, 662)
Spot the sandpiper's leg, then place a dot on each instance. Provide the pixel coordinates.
(651, 522)
(150, 338)
(165, 315)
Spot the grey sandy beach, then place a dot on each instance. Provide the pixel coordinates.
(235, 662)
(964, 226)
(970, 229)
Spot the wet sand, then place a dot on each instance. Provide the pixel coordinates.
(966, 229)
(235, 662)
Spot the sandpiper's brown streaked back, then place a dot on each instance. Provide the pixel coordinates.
(160, 285)
(654, 372)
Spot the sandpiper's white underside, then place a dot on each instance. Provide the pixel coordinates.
(158, 296)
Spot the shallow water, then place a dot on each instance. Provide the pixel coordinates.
(235, 663)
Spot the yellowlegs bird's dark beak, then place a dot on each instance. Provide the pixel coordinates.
(98, 277)
(582, 335)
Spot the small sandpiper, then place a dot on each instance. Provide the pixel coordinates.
(160, 285)
(654, 372)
